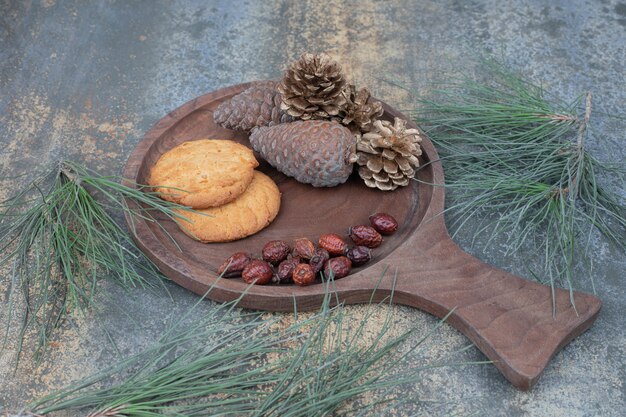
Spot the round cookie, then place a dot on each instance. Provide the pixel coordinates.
(252, 211)
(203, 173)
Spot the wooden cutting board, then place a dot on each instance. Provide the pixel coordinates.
(510, 319)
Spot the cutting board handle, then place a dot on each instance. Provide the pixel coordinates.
(518, 324)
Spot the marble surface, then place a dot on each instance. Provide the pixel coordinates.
(84, 80)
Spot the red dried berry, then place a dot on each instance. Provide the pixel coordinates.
(359, 255)
(275, 251)
(383, 223)
(257, 272)
(285, 270)
(303, 275)
(320, 256)
(363, 235)
(234, 265)
(333, 243)
(337, 267)
(303, 248)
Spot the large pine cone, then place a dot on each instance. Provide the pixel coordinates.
(388, 155)
(312, 88)
(316, 152)
(258, 105)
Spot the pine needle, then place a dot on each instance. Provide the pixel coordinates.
(223, 364)
(58, 241)
(511, 151)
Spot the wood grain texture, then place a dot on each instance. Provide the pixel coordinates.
(508, 318)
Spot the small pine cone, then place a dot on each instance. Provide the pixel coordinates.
(388, 155)
(358, 112)
(312, 88)
(316, 152)
(258, 105)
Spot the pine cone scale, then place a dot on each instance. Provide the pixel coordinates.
(389, 166)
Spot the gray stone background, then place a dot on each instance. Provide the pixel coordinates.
(85, 79)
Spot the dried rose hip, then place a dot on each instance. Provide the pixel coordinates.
(365, 236)
(333, 243)
(285, 270)
(319, 258)
(303, 248)
(383, 223)
(257, 272)
(338, 267)
(303, 275)
(359, 255)
(234, 265)
(275, 251)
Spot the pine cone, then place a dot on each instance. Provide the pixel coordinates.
(258, 105)
(312, 88)
(358, 112)
(387, 155)
(316, 152)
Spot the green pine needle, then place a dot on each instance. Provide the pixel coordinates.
(511, 151)
(224, 364)
(58, 240)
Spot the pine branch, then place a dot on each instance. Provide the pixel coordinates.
(511, 152)
(59, 241)
(221, 364)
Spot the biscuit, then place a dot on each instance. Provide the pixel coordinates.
(252, 211)
(203, 173)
